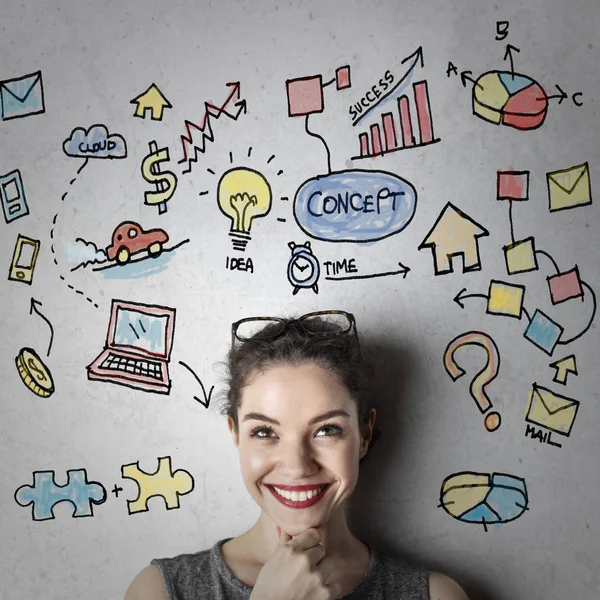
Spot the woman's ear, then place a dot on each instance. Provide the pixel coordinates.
(235, 435)
(367, 433)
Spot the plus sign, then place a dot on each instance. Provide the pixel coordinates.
(116, 490)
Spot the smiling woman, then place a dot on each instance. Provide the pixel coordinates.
(298, 411)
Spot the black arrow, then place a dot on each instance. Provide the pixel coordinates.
(460, 296)
(589, 324)
(402, 271)
(508, 54)
(206, 400)
(562, 96)
(418, 54)
(464, 77)
(34, 308)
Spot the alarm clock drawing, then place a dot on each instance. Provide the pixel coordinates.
(303, 268)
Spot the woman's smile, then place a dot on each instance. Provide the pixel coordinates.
(299, 499)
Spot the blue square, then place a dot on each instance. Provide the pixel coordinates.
(12, 195)
(543, 332)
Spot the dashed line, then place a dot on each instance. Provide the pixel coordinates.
(63, 197)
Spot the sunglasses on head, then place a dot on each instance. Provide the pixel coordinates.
(338, 322)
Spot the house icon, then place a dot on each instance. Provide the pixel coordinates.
(454, 234)
(152, 99)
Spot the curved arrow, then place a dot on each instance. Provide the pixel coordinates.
(587, 327)
(206, 400)
(32, 308)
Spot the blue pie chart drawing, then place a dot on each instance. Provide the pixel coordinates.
(484, 499)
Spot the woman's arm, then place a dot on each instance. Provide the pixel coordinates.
(147, 585)
(442, 587)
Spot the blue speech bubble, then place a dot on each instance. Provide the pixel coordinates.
(354, 206)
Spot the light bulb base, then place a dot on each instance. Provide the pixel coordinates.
(239, 240)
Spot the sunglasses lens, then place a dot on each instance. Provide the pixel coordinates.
(333, 323)
(259, 329)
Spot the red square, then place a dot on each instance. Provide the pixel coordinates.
(565, 286)
(305, 95)
(342, 77)
(513, 185)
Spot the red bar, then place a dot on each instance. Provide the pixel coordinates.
(408, 138)
(376, 139)
(389, 131)
(363, 138)
(423, 111)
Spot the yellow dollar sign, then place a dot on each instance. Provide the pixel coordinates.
(165, 181)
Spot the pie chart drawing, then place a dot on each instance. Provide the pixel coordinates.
(510, 99)
(484, 499)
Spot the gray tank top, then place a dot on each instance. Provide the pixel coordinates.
(205, 575)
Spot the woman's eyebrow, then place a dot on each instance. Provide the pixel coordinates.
(339, 412)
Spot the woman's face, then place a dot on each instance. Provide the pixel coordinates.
(287, 438)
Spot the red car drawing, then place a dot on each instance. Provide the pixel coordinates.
(129, 238)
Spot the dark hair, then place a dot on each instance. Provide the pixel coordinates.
(338, 354)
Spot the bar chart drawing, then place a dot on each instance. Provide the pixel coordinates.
(385, 136)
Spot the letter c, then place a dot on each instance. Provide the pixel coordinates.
(314, 214)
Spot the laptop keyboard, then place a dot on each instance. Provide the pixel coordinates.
(139, 366)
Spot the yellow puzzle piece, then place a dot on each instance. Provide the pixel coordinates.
(163, 482)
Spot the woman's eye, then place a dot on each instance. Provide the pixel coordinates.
(330, 431)
(333, 430)
(258, 430)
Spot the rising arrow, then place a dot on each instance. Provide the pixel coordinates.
(464, 77)
(508, 54)
(34, 308)
(418, 58)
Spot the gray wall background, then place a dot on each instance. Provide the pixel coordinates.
(95, 57)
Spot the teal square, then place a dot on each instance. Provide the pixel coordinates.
(543, 332)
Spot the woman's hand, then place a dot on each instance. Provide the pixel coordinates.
(297, 570)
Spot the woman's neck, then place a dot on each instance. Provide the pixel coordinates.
(337, 539)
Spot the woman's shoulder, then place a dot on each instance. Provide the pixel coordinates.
(167, 578)
(414, 580)
(148, 584)
(442, 587)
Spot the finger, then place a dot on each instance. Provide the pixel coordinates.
(307, 539)
(283, 537)
(326, 567)
(335, 590)
(316, 554)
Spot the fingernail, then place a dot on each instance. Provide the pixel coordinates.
(278, 531)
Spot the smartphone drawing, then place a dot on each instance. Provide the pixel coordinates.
(24, 259)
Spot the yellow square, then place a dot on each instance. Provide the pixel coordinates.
(505, 299)
(520, 256)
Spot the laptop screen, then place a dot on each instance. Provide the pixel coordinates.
(136, 329)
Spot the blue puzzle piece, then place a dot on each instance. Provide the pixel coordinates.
(543, 332)
(44, 494)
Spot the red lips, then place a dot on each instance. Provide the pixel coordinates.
(299, 504)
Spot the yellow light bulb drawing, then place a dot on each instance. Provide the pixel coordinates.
(243, 195)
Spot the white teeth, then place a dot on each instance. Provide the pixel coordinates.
(299, 496)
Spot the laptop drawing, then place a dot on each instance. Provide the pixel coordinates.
(138, 347)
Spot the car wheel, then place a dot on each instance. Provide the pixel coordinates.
(155, 249)
(123, 256)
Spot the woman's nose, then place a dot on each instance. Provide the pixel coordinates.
(296, 460)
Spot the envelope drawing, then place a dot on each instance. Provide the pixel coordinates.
(551, 410)
(569, 188)
(22, 96)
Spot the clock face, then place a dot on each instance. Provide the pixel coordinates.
(302, 269)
